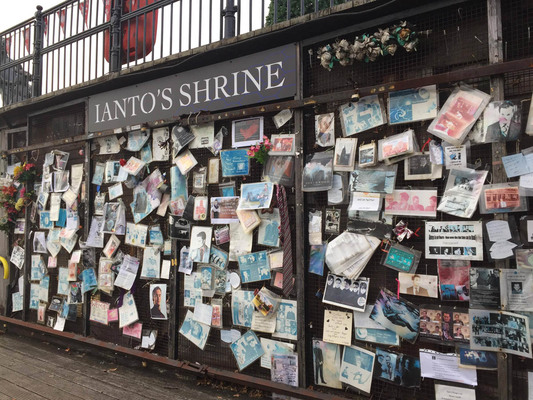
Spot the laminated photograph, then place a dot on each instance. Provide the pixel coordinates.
(333, 219)
(17, 257)
(454, 240)
(367, 113)
(99, 310)
(401, 258)
(222, 235)
(502, 121)
(218, 258)
(108, 145)
(128, 311)
(200, 244)
(213, 171)
(115, 191)
(478, 359)
(374, 180)
(317, 257)
(181, 137)
(39, 242)
(99, 203)
(76, 177)
(418, 285)
(255, 196)
(524, 258)
(444, 324)
(413, 105)
(266, 302)
(151, 265)
(327, 364)
(96, 234)
(500, 331)
(106, 277)
(396, 314)
(315, 227)
(61, 179)
(20, 225)
(60, 160)
(274, 347)
(200, 208)
(459, 114)
(204, 135)
(69, 243)
(242, 308)
(249, 220)
(485, 288)
(137, 138)
(111, 217)
(283, 145)
(89, 282)
(148, 339)
(317, 174)
(421, 202)
(279, 170)
(192, 291)
(284, 370)
(499, 240)
(196, 332)
(367, 330)
(220, 283)
(158, 301)
(185, 162)
(134, 330)
(396, 147)
(357, 367)
(216, 318)
(282, 117)
(128, 272)
(146, 153)
(286, 320)
(344, 159)
(38, 268)
(240, 240)
(206, 279)
(112, 170)
(203, 313)
(502, 198)
(338, 327)
(160, 144)
(98, 176)
(349, 253)
(223, 210)
(347, 293)
(246, 132)
(235, 163)
(325, 129)
(254, 267)
(456, 156)
(368, 155)
(268, 232)
(44, 220)
(419, 167)
(136, 234)
(247, 349)
(516, 288)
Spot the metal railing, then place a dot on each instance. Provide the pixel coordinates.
(79, 41)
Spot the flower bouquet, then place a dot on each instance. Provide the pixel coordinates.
(259, 152)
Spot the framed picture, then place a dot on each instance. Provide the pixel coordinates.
(283, 145)
(235, 163)
(246, 132)
(344, 159)
(419, 166)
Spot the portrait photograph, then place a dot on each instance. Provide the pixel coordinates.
(246, 132)
(255, 196)
(195, 331)
(502, 121)
(200, 244)
(279, 170)
(419, 167)
(158, 301)
(283, 145)
(327, 364)
(325, 129)
(345, 149)
(242, 308)
(416, 203)
(418, 285)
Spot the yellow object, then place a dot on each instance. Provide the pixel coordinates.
(6, 267)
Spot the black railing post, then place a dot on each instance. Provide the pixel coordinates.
(229, 19)
(116, 41)
(37, 56)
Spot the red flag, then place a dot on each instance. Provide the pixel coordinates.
(84, 9)
(62, 14)
(27, 32)
(107, 9)
(8, 44)
(46, 26)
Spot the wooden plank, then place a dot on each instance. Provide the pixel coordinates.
(13, 391)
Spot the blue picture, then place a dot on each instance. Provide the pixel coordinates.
(247, 349)
(413, 105)
(316, 259)
(45, 221)
(242, 308)
(235, 162)
(88, 278)
(254, 267)
(218, 258)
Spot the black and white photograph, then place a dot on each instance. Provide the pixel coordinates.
(195, 331)
(485, 288)
(357, 367)
(454, 240)
(345, 149)
(374, 180)
(333, 219)
(500, 331)
(368, 155)
(502, 121)
(419, 167)
(247, 349)
(179, 228)
(318, 172)
(181, 137)
(158, 301)
(347, 293)
(246, 132)
(396, 314)
(200, 244)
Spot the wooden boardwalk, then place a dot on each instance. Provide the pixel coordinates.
(32, 369)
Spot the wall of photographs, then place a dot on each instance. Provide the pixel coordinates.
(400, 251)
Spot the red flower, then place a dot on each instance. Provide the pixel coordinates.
(122, 162)
(27, 167)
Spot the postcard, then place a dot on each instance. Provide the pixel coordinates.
(128, 311)
(454, 240)
(318, 172)
(325, 129)
(347, 293)
(397, 315)
(374, 180)
(246, 132)
(418, 285)
(357, 367)
(412, 105)
(338, 327)
(255, 195)
(235, 162)
(268, 232)
(223, 210)
(254, 267)
(196, 332)
(361, 116)
(420, 203)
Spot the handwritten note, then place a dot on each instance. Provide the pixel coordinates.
(338, 327)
